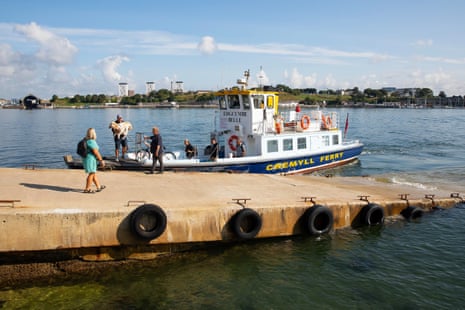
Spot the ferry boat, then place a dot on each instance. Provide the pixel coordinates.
(279, 139)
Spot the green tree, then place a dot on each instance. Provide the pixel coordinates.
(357, 95)
(102, 99)
(423, 93)
(164, 94)
(283, 88)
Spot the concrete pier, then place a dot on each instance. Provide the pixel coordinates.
(45, 210)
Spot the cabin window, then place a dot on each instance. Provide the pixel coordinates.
(270, 102)
(258, 101)
(335, 139)
(222, 102)
(301, 143)
(287, 145)
(272, 146)
(234, 102)
(246, 102)
(325, 140)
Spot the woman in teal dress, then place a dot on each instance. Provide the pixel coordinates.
(90, 162)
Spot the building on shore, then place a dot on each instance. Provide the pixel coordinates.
(149, 87)
(177, 87)
(123, 89)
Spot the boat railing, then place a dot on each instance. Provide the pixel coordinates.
(293, 121)
(140, 143)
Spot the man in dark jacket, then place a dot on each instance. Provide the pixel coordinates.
(156, 148)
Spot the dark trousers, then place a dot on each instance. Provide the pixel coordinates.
(154, 161)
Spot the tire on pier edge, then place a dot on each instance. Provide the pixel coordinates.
(246, 224)
(372, 214)
(148, 221)
(318, 220)
(412, 213)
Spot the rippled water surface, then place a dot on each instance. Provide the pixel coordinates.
(402, 265)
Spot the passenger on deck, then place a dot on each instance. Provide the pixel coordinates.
(189, 149)
(213, 147)
(241, 150)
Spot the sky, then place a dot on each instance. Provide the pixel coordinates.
(85, 47)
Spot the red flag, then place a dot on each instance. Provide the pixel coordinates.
(347, 125)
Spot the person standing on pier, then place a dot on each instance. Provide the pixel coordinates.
(89, 162)
(156, 148)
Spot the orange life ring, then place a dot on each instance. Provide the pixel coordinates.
(305, 122)
(232, 142)
(278, 127)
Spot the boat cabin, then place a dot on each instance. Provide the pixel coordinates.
(254, 117)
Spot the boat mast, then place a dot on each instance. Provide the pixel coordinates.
(260, 79)
(244, 82)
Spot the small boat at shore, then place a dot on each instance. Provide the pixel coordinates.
(279, 139)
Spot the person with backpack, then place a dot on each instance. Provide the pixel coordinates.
(89, 162)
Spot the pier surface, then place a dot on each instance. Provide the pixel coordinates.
(46, 210)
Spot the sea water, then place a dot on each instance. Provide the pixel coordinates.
(401, 265)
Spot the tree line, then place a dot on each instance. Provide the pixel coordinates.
(303, 95)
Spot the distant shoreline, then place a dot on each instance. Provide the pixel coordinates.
(388, 105)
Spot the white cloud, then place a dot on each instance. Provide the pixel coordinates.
(297, 80)
(423, 43)
(52, 48)
(453, 61)
(8, 59)
(109, 66)
(207, 45)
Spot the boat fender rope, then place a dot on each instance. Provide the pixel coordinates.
(305, 122)
(246, 223)
(318, 220)
(232, 142)
(148, 221)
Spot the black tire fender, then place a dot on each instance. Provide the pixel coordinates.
(412, 213)
(372, 214)
(246, 223)
(318, 220)
(148, 221)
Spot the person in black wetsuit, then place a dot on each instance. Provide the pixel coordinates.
(213, 149)
(189, 149)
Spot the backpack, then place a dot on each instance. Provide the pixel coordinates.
(82, 148)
